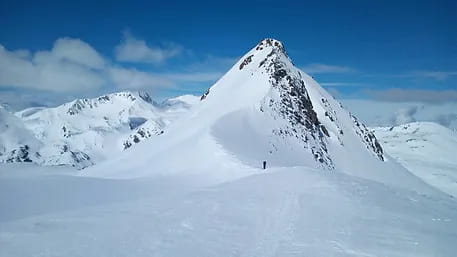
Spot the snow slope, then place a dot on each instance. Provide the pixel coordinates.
(282, 212)
(426, 149)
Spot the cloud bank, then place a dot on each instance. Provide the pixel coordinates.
(414, 95)
(437, 75)
(382, 113)
(404, 115)
(319, 68)
(135, 50)
(71, 65)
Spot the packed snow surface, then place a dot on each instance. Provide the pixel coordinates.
(281, 212)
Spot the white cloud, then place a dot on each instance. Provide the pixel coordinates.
(438, 75)
(79, 52)
(134, 79)
(446, 119)
(214, 63)
(73, 67)
(404, 115)
(194, 76)
(340, 84)
(317, 68)
(427, 74)
(382, 113)
(136, 50)
(57, 70)
(414, 95)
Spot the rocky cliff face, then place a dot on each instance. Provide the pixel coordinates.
(293, 104)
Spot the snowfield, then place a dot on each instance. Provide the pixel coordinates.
(197, 188)
(280, 212)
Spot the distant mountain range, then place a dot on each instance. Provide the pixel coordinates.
(85, 131)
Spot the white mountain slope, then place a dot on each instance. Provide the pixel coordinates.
(85, 131)
(264, 108)
(427, 149)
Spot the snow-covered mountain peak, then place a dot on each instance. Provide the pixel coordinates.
(270, 43)
(85, 131)
(266, 49)
(266, 109)
(299, 109)
(119, 98)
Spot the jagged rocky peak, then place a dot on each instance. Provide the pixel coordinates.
(270, 42)
(294, 103)
(132, 96)
(273, 45)
(145, 96)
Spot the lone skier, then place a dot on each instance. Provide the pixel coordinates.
(264, 164)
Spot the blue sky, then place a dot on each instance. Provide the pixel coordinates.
(390, 50)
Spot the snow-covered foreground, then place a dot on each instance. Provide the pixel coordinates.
(290, 211)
